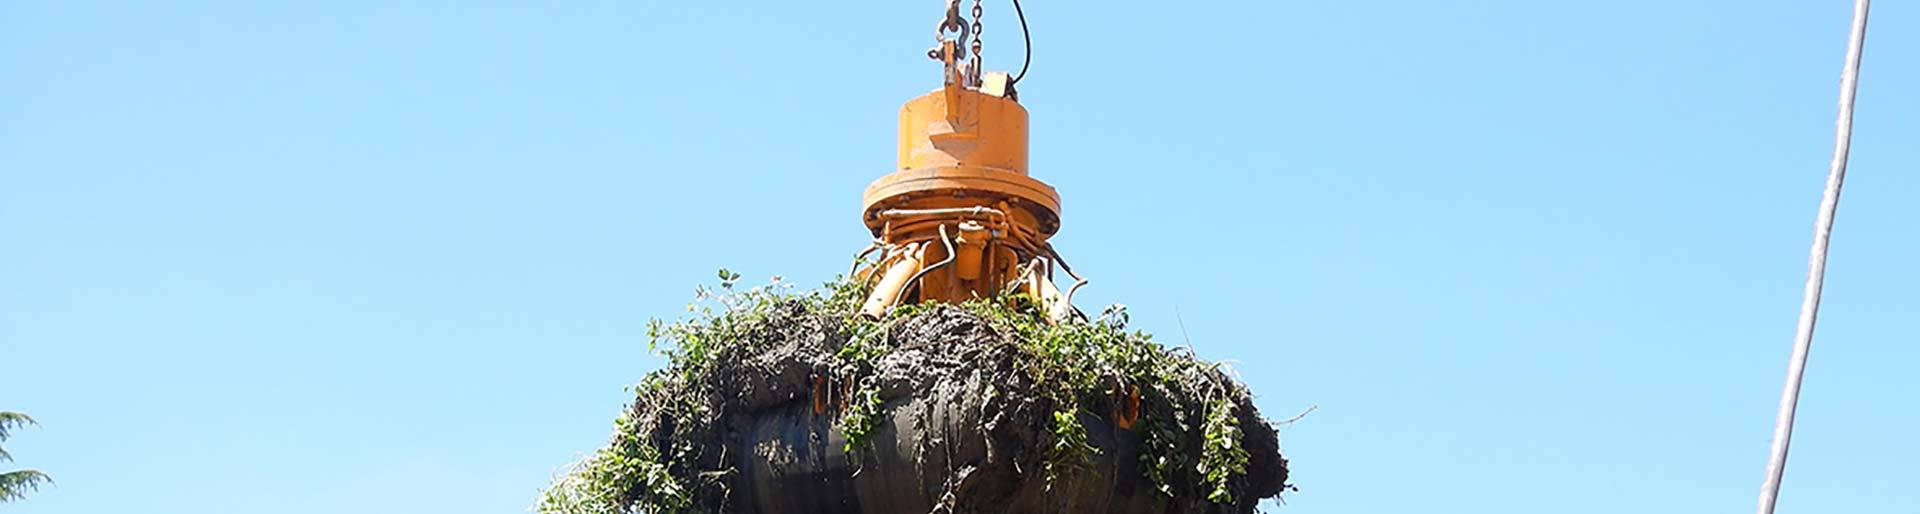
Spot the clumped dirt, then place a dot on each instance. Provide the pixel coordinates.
(964, 429)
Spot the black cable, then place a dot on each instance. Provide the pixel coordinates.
(1028, 37)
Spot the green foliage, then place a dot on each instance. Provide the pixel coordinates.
(1160, 459)
(626, 472)
(1070, 450)
(855, 360)
(15, 484)
(1221, 456)
(10, 421)
(1084, 365)
(862, 417)
(719, 318)
(635, 475)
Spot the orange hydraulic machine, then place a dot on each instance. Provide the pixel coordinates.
(960, 218)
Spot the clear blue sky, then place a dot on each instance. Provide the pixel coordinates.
(397, 256)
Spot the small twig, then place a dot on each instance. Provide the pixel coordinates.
(1183, 331)
(1290, 421)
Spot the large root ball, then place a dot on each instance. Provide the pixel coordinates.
(782, 404)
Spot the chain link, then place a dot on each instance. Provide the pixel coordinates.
(976, 30)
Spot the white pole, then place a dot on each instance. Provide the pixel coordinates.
(1817, 262)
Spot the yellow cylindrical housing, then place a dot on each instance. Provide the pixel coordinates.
(963, 127)
(958, 148)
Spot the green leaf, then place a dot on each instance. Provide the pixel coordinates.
(15, 484)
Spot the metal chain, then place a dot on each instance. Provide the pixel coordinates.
(976, 30)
